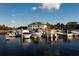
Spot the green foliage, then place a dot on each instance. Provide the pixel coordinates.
(3, 27)
(36, 23)
(69, 25)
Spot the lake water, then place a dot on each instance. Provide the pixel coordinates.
(38, 47)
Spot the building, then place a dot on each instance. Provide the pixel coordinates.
(37, 26)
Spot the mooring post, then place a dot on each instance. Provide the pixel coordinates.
(21, 34)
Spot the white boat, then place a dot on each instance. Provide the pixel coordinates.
(61, 33)
(69, 35)
(10, 35)
(26, 34)
(75, 32)
(36, 34)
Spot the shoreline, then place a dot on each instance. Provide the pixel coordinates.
(4, 31)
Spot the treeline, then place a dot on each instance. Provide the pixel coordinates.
(69, 25)
(4, 27)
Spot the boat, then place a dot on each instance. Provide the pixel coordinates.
(36, 34)
(26, 34)
(69, 35)
(75, 32)
(11, 34)
(44, 34)
(61, 32)
(18, 33)
(8, 37)
(65, 33)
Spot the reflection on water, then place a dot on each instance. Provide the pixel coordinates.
(35, 41)
(9, 40)
(46, 47)
(25, 42)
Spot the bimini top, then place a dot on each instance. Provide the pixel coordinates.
(25, 31)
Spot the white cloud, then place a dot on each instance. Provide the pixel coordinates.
(50, 6)
(34, 8)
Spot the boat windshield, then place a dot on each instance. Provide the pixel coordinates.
(26, 33)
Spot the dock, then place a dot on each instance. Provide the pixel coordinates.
(47, 34)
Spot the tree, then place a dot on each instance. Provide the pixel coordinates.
(3, 27)
(51, 26)
(36, 23)
(77, 26)
(62, 26)
(48, 25)
(71, 25)
(57, 26)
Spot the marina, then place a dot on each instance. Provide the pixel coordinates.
(25, 33)
(39, 29)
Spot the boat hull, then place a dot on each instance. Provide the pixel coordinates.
(26, 35)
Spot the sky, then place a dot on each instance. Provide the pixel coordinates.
(15, 15)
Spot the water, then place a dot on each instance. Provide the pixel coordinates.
(38, 47)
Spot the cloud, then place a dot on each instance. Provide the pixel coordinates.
(34, 8)
(50, 6)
